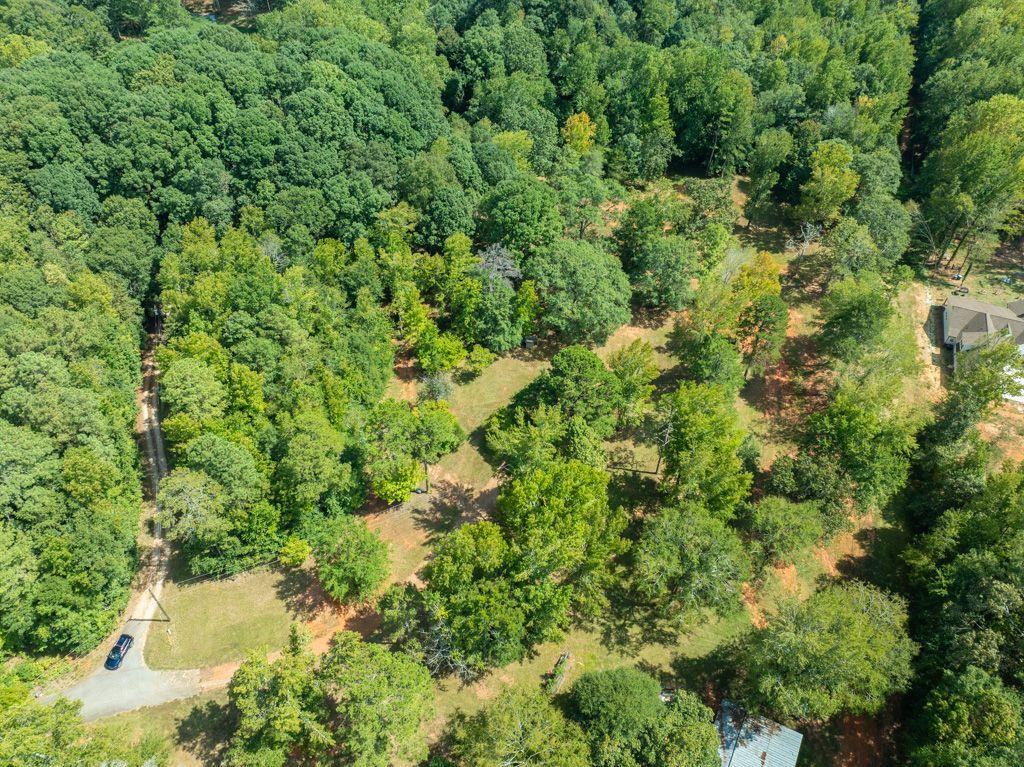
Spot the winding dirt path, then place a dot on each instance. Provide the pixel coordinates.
(135, 685)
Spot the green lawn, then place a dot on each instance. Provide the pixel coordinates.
(999, 281)
(590, 652)
(475, 401)
(198, 727)
(215, 622)
(654, 331)
(467, 465)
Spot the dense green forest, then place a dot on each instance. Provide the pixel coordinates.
(326, 189)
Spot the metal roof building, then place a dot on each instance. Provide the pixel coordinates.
(752, 741)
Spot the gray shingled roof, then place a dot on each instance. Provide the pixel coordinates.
(969, 321)
(752, 741)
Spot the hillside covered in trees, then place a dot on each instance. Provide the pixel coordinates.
(322, 192)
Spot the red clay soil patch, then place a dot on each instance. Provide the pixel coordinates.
(1005, 430)
(828, 563)
(405, 373)
(796, 386)
(484, 690)
(845, 546)
(757, 617)
(789, 578)
(866, 741)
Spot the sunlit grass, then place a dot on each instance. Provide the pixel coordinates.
(218, 621)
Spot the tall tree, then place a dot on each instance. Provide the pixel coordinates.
(359, 704)
(975, 176)
(520, 727)
(845, 649)
(687, 561)
(700, 454)
(559, 517)
(627, 723)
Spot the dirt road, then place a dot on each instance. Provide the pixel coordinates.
(135, 685)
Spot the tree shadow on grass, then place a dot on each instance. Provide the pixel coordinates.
(711, 676)
(205, 730)
(636, 492)
(880, 564)
(627, 625)
(807, 277)
(301, 593)
(650, 319)
(449, 505)
(763, 235)
(1005, 266)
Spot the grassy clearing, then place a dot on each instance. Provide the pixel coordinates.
(758, 424)
(590, 652)
(411, 529)
(214, 622)
(467, 466)
(654, 330)
(999, 281)
(198, 727)
(475, 401)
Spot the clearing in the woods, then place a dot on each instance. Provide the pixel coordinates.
(217, 622)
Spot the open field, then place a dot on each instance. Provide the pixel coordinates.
(475, 401)
(218, 621)
(198, 726)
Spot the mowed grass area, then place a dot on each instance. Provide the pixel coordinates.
(589, 651)
(998, 281)
(218, 621)
(475, 401)
(655, 330)
(199, 727)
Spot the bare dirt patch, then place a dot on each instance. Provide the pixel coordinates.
(757, 617)
(795, 387)
(1005, 430)
(866, 741)
(926, 321)
(403, 386)
(789, 578)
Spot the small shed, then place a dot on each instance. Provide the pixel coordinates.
(752, 741)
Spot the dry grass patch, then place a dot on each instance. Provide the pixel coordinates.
(474, 402)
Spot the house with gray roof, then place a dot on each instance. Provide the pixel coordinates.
(967, 322)
(753, 741)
